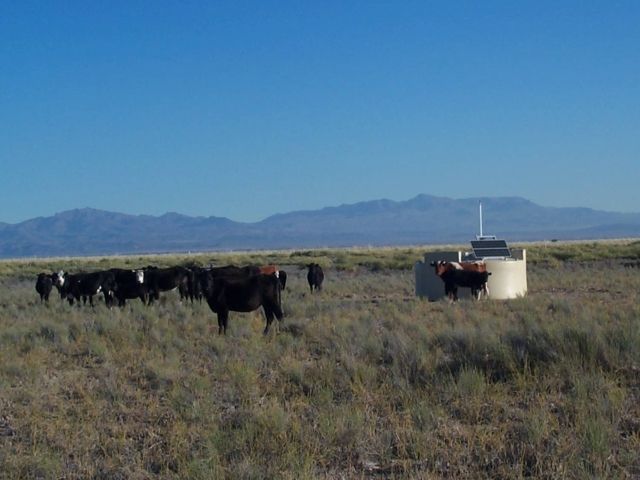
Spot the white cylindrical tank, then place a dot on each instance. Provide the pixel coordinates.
(508, 277)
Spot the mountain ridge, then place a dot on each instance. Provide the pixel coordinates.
(423, 219)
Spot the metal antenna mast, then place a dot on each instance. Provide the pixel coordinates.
(480, 204)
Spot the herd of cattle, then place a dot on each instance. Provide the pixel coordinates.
(229, 288)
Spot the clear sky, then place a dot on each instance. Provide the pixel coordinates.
(244, 109)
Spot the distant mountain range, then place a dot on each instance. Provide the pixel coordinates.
(424, 219)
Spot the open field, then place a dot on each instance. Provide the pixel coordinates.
(362, 381)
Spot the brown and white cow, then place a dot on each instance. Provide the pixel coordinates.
(472, 275)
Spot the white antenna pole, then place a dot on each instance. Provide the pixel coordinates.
(480, 219)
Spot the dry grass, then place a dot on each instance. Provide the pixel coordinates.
(363, 380)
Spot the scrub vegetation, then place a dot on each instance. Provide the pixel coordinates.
(362, 380)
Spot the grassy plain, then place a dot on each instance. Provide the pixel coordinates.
(362, 380)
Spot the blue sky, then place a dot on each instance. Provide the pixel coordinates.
(244, 109)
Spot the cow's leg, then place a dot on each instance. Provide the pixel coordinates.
(268, 315)
(222, 313)
(144, 297)
(452, 292)
(223, 318)
(182, 293)
(278, 312)
(448, 291)
(226, 321)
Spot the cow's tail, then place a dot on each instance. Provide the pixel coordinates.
(279, 295)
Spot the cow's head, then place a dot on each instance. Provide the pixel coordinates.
(140, 276)
(59, 278)
(440, 267)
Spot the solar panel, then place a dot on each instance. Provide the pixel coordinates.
(489, 243)
(490, 248)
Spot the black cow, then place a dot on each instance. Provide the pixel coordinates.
(90, 284)
(199, 278)
(63, 281)
(244, 295)
(204, 276)
(476, 281)
(86, 285)
(315, 276)
(164, 279)
(44, 284)
(57, 278)
(130, 284)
